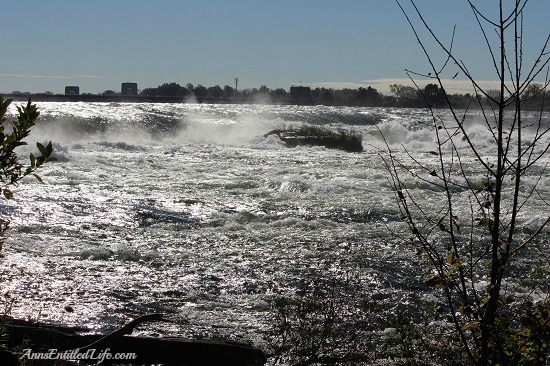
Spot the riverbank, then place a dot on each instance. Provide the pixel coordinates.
(93, 98)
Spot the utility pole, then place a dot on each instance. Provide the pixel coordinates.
(236, 83)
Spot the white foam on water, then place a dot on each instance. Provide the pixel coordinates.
(188, 207)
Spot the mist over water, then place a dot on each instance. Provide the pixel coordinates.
(187, 209)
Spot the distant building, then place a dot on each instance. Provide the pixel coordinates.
(72, 90)
(129, 89)
(300, 94)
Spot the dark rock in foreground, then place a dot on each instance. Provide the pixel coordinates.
(165, 350)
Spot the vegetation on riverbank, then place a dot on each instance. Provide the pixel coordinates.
(401, 96)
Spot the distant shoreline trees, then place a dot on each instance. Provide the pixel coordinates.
(401, 96)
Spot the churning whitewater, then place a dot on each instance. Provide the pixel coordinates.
(189, 210)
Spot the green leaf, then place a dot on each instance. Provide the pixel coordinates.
(470, 325)
(7, 193)
(38, 178)
(33, 160)
(449, 259)
(434, 281)
(42, 149)
(426, 274)
(486, 223)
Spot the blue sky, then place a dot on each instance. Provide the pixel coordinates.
(100, 44)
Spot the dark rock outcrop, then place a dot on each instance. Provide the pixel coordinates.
(318, 136)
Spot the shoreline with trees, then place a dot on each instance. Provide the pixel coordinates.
(401, 96)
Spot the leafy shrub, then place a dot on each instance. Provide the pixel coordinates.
(12, 136)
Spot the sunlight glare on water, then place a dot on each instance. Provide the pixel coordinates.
(187, 209)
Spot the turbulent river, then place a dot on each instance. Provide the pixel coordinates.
(187, 209)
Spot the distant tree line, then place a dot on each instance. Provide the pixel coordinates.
(401, 96)
(217, 93)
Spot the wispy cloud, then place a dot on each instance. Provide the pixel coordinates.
(51, 76)
(339, 84)
(383, 85)
(87, 76)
